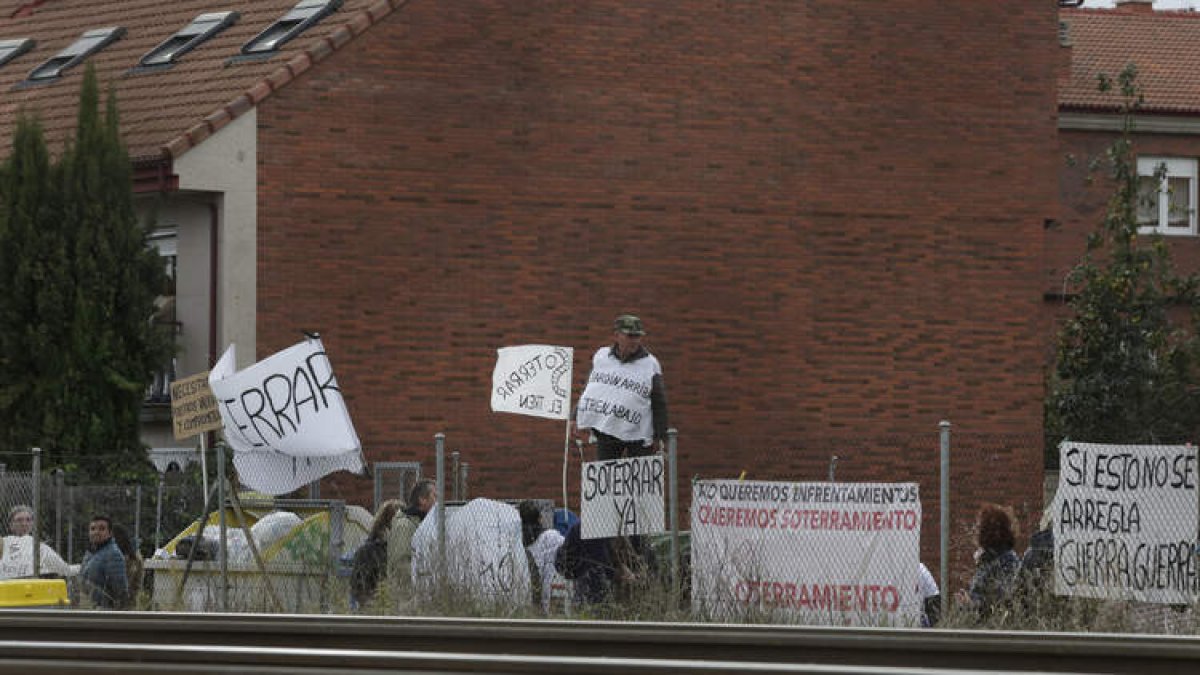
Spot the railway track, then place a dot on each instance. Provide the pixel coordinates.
(47, 641)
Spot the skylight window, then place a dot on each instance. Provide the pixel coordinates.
(11, 49)
(187, 38)
(89, 43)
(299, 19)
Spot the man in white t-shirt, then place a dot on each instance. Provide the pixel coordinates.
(624, 404)
(931, 598)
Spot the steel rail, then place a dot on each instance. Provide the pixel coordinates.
(744, 644)
(59, 658)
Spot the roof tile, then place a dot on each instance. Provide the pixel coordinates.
(1164, 46)
(198, 133)
(321, 49)
(341, 36)
(164, 109)
(258, 92)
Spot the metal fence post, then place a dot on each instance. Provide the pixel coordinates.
(439, 441)
(36, 477)
(454, 475)
(158, 513)
(137, 518)
(337, 527)
(673, 495)
(71, 523)
(944, 499)
(222, 548)
(377, 488)
(59, 476)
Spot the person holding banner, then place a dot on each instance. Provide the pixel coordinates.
(625, 402)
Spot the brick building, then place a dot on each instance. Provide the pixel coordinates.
(830, 214)
(1166, 132)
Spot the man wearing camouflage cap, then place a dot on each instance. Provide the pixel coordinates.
(625, 402)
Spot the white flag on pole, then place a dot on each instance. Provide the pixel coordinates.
(533, 380)
(285, 418)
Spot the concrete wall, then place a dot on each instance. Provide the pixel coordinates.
(217, 188)
(224, 170)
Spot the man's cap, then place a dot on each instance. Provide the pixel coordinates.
(629, 325)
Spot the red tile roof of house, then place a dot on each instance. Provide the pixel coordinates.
(167, 111)
(1165, 47)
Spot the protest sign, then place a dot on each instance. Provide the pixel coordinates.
(193, 407)
(1125, 522)
(289, 402)
(827, 553)
(622, 497)
(533, 380)
(285, 418)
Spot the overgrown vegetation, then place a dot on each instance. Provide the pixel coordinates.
(78, 284)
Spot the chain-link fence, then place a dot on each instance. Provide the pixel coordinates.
(16, 495)
(828, 531)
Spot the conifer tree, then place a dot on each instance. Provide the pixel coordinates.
(1126, 368)
(86, 347)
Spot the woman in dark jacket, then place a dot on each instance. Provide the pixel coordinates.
(997, 564)
(370, 560)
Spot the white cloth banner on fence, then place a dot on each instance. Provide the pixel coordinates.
(285, 418)
(533, 380)
(824, 553)
(485, 558)
(1125, 522)
(17, 560)
(622, 497)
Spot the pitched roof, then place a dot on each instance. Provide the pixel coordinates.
(164, 112)
(1165, 47)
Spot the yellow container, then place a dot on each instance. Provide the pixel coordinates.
(29, 593)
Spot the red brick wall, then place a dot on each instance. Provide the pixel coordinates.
(829, 214)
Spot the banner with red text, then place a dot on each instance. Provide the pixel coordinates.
(843, 554)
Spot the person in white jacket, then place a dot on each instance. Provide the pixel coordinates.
(16, 560)
(624, 405)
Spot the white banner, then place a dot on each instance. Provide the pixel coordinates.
(825, 553)
(285, 418)
(533, 380)
(274, 474)
(622, 497)
(485, 560)
(1125, 522)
